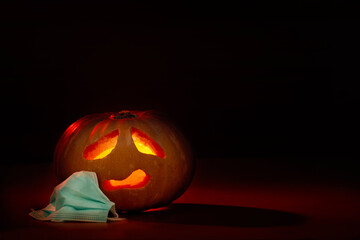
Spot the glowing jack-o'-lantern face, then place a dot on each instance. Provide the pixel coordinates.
(141, 160)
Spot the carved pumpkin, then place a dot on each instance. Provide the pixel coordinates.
(142, 161)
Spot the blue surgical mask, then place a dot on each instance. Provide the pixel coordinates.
(78, 198)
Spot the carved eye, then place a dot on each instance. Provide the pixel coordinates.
(102, 147)
(146, 144)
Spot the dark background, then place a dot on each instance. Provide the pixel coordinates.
(249, 80)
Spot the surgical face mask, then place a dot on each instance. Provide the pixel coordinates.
(78, 198)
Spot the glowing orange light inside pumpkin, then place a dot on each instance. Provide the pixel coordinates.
(102, 147)
(137, 179)
(146, 144)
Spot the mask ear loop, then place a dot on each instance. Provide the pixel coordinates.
(115, 217)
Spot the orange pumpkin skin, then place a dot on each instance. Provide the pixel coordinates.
(169, 176)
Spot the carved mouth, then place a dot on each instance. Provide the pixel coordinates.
(137, 179)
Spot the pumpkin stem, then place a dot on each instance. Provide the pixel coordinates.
(123, 114)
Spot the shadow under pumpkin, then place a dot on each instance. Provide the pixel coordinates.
(217, 215)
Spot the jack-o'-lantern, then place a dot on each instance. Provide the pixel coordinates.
(142, 161)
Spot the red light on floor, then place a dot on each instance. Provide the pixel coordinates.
(157, 209)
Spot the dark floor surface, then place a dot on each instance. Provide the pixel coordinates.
(258, 201)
